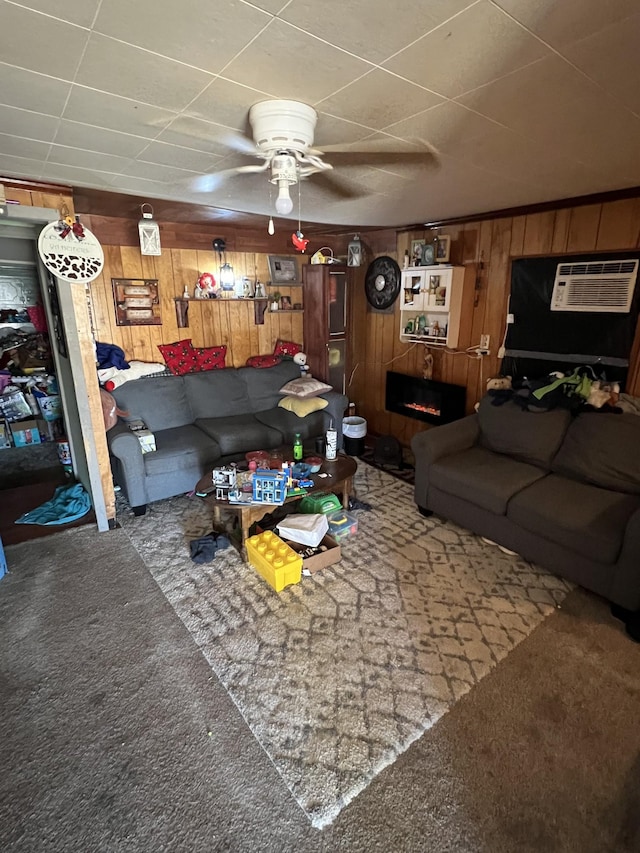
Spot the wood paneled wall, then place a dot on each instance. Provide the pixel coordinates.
(212, 322)
(488, 246)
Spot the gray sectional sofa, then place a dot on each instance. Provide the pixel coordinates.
(202, 420)
(561, 490)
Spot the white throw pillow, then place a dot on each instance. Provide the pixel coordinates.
(306, 386)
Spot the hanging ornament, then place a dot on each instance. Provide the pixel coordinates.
(70, 251)
(355, 253)
(297, 238)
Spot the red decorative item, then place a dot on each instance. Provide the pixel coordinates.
(180, 357)
(297, 238)
(211, 358)
(263, 360)
(77, 229)
(289, 348)
(207, 283)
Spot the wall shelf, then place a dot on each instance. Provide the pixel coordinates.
(182, 307)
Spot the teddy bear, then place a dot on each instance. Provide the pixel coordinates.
(300, 358)
(500, 388)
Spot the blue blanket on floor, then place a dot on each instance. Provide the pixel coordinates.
(69, 503)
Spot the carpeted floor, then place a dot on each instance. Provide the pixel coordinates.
(117, 736)
(338, 675)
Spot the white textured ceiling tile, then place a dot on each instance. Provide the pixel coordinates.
(18, 167)
(114, 113)
(604, 58)
(17, 147)
(76, 175)
(205, 35)
(561, 24)
(394, 26)
(480, 45)
(32, 91)
(182, 158)
(200, 135)
(127, 71)
(532, 97)
(378, 100)
(444, 127)
(156, 171)
(75, 13)
(27, 39)
(273, 64)
(331, 130)
(28, 124)
(86, 159)
(72, 133)
(225, 102)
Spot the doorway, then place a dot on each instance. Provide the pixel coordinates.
(31, 467)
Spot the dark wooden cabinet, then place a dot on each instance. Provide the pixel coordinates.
(325, 322)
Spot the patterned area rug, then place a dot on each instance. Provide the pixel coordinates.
(338, 675)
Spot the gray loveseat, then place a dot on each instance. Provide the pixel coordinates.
(561, 490)
(203, 420)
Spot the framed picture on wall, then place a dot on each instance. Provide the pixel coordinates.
(283, 269)
(443, 249)
(136, 301)
(417, 248)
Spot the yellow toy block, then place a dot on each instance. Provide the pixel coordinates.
(276, 561)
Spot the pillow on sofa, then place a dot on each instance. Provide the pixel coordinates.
(532, 437)
(211, 358)
(263, 360)
(289, 348)
(303, 407)
(180, 357)
(602, 449)
(305, 386)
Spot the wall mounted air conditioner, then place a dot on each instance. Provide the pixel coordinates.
(602, 286)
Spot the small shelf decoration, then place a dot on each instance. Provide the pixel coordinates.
(443, 249)
(136, 302)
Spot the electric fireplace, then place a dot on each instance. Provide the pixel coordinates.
(424, 399)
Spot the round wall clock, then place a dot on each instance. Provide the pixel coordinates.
(382, 282)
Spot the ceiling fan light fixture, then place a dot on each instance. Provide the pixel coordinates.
(284, 205)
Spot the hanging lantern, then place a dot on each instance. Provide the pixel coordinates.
(355, 252)
(149, 232)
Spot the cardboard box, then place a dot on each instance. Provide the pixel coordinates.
(25, 432)
(313, 564)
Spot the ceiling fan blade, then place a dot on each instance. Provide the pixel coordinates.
(335, 185)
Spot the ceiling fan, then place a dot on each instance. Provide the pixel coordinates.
(283, 136)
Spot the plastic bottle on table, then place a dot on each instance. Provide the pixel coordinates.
(331, 449)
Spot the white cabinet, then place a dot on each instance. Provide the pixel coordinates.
(431, 302)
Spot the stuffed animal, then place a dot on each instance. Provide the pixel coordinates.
(603, 394)
(500, 388)
(112, 378)
(300, 358)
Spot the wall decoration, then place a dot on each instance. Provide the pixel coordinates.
(417, 247)
(136, 301)
(443, 249)
(70, 251)
(283, 270)
(149, 232)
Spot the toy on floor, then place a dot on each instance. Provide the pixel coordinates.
(112, 377)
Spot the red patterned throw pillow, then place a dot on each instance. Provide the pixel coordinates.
(289, 348)
(211, 358)
(263, 360)
(180, 357)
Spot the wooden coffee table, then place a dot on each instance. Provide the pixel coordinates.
(340, 473)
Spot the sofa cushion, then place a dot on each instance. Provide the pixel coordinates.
(305, 386)
(263, 385)
(240, 433)
(217, 393)
(161, 402)
(580, 517)
(289, 424)
(532, 437)
(603, 449)
(486, 479)
(179, 448)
